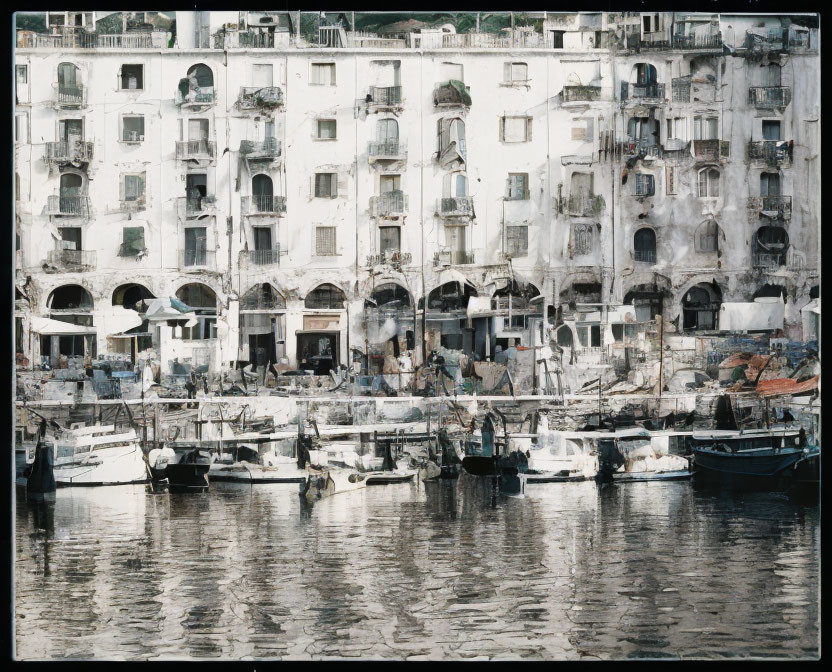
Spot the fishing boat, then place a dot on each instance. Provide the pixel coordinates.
(189, 473)
(24, 456)
(331, 481)
(561, 456)
(158, 460)
(748, 455)
(330, 468)
(446, 463)
(484, 458)
(243, 464)
(389, 470)
(635, 455)
(96, 455)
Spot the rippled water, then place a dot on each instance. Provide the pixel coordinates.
(574, 570)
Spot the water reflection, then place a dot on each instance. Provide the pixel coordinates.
(434, 570)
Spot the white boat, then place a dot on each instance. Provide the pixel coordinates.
(636, 455)
(97, 455)
(561, 456)
(244, 464)
(320, 484)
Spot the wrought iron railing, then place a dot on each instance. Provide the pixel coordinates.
(71, 259)
(252, 97)
(708, 150)
(648, 256)
(70, 96)
(392, 257)
(571, 94)
(768, 261)
(636, 146)
(68, 152)
(448, 95)
(385, 95)
(270, 148)
(389, 203)
(459, 206)
(78, 206)
(386, 150)
(647, 91)
(449, 257)
(697, 42)
(769, 96)
(773, 152)
(264, 205)
(74, 39)
(781, 206)
(188, 149)
(197, 257)
(263, 258)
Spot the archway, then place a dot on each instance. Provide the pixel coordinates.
(769, 246)
(644, 245)
(72, 304)
(319, 344)
(325, 297)
(203, 301)
(519, 295)
(564, 336)
(700, 307)
(203, 75)
(70, 297)
(452, 295)
(262, 297)
(132, 296)
(263, 324)
(391, 296)
(647, 301)
(262, 193)
(706, 238)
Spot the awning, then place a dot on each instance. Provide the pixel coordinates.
(46, 327)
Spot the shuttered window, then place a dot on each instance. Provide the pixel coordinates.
(326, 185)
(515, 72)
(389, 238)
(322, 74)
(133, 187)
(645, 185)
(325, 241)
(326, 129)
(709, 183)
(771, 130)
(517, 241)
(518, 187)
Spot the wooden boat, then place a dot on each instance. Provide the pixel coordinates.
(483, 458)
(390, 470)
(635, 455)
(756, 454)
(190, 471)
(561, 456)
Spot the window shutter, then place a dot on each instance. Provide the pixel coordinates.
(528, 129)
(625, 89)
(502, 129)
(724, 148)
(651, 185)
(332, 74)
(121, 187)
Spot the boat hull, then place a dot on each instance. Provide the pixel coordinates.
(191, 477)
(253, 473)
(109, 466)
(326, 484)
(760, 465)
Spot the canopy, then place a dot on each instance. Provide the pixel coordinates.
(46, 327)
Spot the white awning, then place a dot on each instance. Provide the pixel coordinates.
(46, 327)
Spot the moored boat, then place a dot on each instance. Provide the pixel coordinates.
(190, 471)
(483, 458)
(320, 484)
(243, 464)
(561, 456)
(635, 455)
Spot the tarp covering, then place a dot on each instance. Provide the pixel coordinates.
(117, 320)
(770, 388)
(168, 308)
(479, 306)
(453, 275)
(761, 314)
(46, 327)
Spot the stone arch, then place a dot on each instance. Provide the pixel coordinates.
(391, 295)
(199, 296)
(452, 295)
(521, 294)
(707, 236)
(769, 246)
(204, 75)
(262, 296)
(700, 307)
(770, 290)
(564, 336)
(325, 296)
(70, 297)
(130, 295)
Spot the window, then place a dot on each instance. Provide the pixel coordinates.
(70, 238)
(644, 246)
(387, 130)
(772, 75)
(583, 130)
(771, 130)
(582, 239)
(707, 237)
(451, 135)
(322, 74)
(133, 187)
(262, 238)
(517, 241)
(132, 241)
(326, 185)
(390, 238)
(22, 73)
(390, 183)
(132, 129)
(518, 187)
(325, 241)
(196, 246)
(706, 128)
(709, 183)
(452, 71)
(677, 129)
(515, 72)
(645, 185)
(769, 184)
(132, 77)
(325, 297)
(326, 129)
(515, 129)
(21, 128)
(557, 39)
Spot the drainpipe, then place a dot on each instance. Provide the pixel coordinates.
(422, 218)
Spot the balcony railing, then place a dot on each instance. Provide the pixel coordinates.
(262, 258)
(388, 204)
(639, 146)
(204, 95)
(196, 149)
(773, 152)
(647, 256)
(776, 207)
(385, 95)
(583, 205)
(72, 206)
(70, 96)
(710, 150)
(263, 205)
(253, 39)
(391, 150)
(73, 39)
(197, 258)
(391, 257)
(266, 150)
(768, 261)
(460, 206)
(452, 257)
(259, 97)
(769, 96)
(647, 91)
(195, 205)
(68, 152)
(521, 39)
(573, 94)
(698, 42)
(72, 259)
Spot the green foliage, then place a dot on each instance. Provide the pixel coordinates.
(36, 22)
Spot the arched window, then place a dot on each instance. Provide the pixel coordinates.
(388, 130)
(71, 184)
(700, 307)
(391, 295)
(451, 296)
(769, 184)
(769, 246)
(262, 193)
(132, 296)
(451, 141)
(564, 336)
(70, 297)
(708, 183)
(202, 74)
(203, 301)
(262, 297)
(706, 238)
(325, 297)
(521, 296)
(644, 245)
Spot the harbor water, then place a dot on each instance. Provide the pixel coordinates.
(421, 570)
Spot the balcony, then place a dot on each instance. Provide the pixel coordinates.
(195, 206)
(197, 259)
(645, 256)
(68, 206)
(259, 97)
(643, 92)
(770, 152)
(580, 94)
(710, 150)
(639, 147)
(385, 96)
(134, 205)
(769, 96)
(80, 39)
(63, 152)
(252, 39)
(706, 42)
(768, 261)
(460, 206)
(72, 260)
(582, 205)
(760, 43)
(520, 39)
(197, 96)
(386, 151)
(774, 207)
(389, 204)
(70, 97)
(452, 93)
(196, 149)
(262, 258)
(260, 150)
(263, 205)
(452, 257)
(395, 258)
